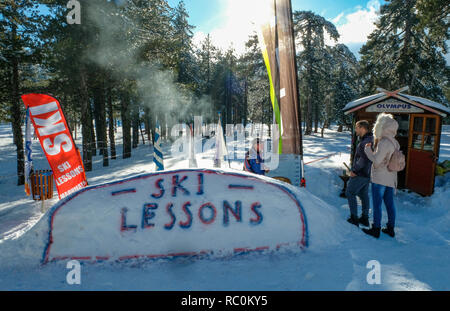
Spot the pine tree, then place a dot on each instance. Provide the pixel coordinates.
(345, 85)
(310, 29)
(400, 53)
(126, 123)
(206, 56)
(18, 23)
(183, 44)
(434, 16)
(72, 76)
(258, 106)
(111, 122)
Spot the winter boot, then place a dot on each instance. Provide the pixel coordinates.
(389, 231)
(364, 220)
(353, 220)
(375, 232)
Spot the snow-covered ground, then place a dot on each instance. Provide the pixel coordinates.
(417, 259)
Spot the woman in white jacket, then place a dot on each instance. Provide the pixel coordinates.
(384, 181)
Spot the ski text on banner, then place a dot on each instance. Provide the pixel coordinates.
(56, 140)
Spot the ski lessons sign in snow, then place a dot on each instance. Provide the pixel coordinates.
(176, 213)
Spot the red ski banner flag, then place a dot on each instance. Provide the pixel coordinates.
(56, 141)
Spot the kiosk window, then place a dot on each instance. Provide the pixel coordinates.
(430, 126)
(403, 124)
(417, 141)
(424, 134)
(418, 124)
(428, 143)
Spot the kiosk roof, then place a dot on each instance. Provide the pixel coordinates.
(417, 99)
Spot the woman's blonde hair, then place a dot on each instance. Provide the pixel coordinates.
(378, 127)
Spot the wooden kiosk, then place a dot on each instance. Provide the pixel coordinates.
(419, 133)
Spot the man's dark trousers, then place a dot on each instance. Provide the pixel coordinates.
(358, 186)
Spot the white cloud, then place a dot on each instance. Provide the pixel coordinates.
(236, 23)
(355, 27)
(360, 24)
(337, 18)
(239, 18)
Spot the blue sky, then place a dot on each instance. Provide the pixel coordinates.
(204, 14)
(227, 20)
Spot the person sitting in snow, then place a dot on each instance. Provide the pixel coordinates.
(359, 182)
(253, 161)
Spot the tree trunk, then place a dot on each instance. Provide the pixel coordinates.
(104, 138)
(245, 102)
(304, 119)
(92, 128)
(147, 124)
(309, 107)
(97, 117)
(142, 133)
(163, 124)
(126, 125)
(100, 119)
(151, 124)
(135, 116)
(323, 128)
(111, 125)
(316, 115)
(308, 115)
(147, 129)
(16, 116)
(328, 113)
(227, 119)
(405, 63)
(86, 123)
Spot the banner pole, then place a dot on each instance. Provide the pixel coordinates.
(42, 192)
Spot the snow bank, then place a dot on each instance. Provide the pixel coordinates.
(175, 213)
(179, 213)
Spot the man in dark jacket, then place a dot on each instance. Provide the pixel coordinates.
(359, 182)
